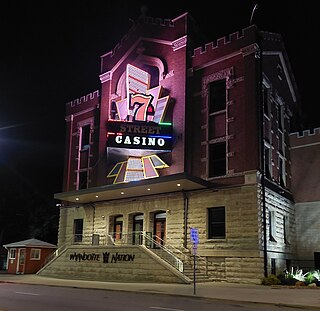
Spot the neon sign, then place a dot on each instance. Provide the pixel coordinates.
(137, 122)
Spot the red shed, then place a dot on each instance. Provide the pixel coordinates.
(27, 256)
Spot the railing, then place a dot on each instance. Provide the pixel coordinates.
(160, 247)
(165, 253)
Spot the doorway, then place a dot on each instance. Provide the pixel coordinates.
(21, 260)
(137, 229)
(117, 230)
(160, 227)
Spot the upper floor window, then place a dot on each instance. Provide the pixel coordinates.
(267, 161)
(85, 136)
(216, 223)
(282, 171)
(217, 159)
(280, 118)
(217, 96)
(83, 180)
(266, 100)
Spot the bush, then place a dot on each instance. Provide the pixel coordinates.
(270, 280)
(287, 279)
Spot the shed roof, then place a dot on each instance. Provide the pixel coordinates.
(30, 243)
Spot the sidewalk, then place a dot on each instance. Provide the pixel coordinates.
(282, 296)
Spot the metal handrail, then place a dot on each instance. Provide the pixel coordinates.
(170, 257)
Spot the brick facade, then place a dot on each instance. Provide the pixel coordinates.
(248, 135)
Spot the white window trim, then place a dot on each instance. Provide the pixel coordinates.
(15, 253)
(35, 250)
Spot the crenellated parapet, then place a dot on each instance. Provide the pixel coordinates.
(306, 133)
(78, 101)
(305, 139)
(239, 37)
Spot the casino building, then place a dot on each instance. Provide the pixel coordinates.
(183, 151)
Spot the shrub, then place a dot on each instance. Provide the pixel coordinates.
(270, 280)
(287, 279)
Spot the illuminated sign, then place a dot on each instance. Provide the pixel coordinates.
(136, 135)
(137, 123)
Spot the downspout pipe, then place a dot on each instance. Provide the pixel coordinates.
(260, 103)
(185, 207)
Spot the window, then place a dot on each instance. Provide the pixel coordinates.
(273, 266)
(217, 159)
(84, 156)
(267, 161)
(35, 253)
(216, 223)
(286, 229)
(280, 117)
(282, 173)
(317, 260)
(12, 254)
(117, 229)
(83, 180)
(85, 136)
(78, 229)
(265, 100)
(272, 226)
(217, 96)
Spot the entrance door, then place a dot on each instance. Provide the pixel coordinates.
(118, 223)
(160, 227)
(137, 229)
(21, 260)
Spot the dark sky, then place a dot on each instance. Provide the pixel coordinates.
(50, 54)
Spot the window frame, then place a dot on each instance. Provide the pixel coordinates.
(272, 225)
(13, 253)
(210, 223)
(34, 251)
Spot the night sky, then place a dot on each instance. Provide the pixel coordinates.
(50, 54)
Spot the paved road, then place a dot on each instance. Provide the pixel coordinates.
(231, 292)
(24, 297)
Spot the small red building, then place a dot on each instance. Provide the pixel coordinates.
(27, 256)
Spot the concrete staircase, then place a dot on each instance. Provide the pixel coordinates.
(188, 270)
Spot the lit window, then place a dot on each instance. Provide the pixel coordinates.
(216, 223)
(35, 254)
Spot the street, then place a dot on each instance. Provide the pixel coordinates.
(23, 297)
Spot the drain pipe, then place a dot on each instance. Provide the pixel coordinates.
(259, 55)
(186, 207)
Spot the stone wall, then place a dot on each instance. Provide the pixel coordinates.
(117, 263)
